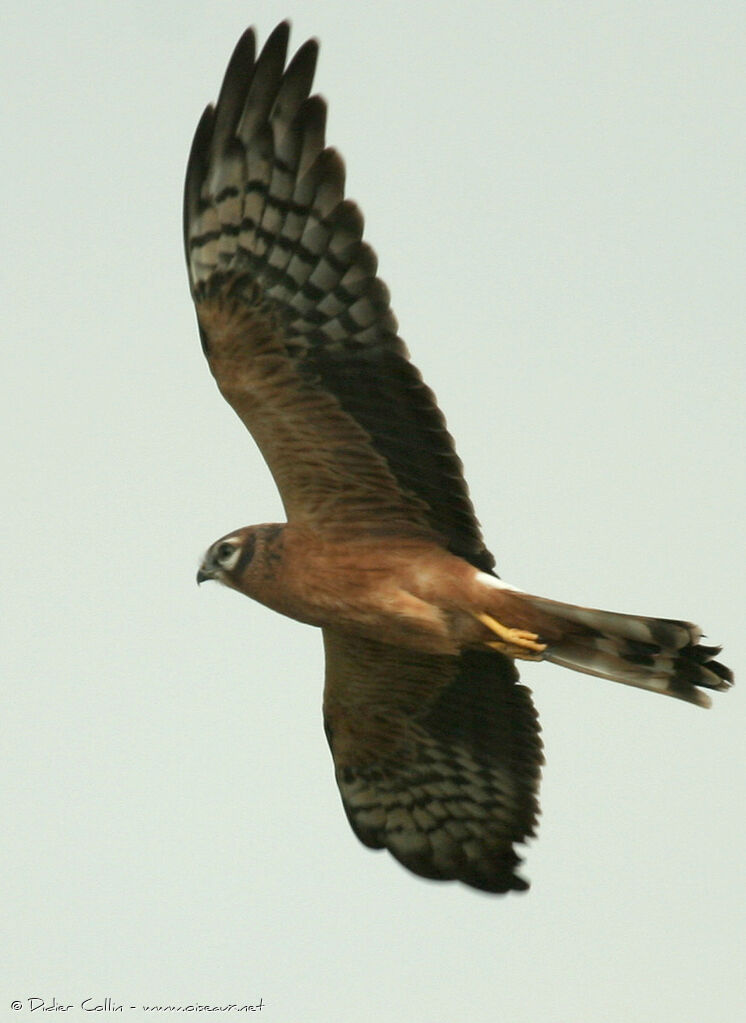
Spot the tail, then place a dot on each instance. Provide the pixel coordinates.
(658, 654)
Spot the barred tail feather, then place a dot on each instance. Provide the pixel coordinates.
(658, 654)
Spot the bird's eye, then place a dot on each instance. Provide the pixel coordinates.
(224, 553)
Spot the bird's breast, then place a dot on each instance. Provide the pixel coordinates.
(399, 590)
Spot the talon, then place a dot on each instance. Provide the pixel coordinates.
(512, 638)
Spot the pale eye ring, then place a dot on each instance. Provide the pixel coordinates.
(225, 553)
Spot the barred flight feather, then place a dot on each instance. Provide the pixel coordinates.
(659, 654)
(264, 208)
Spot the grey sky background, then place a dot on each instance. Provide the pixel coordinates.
(556, 195)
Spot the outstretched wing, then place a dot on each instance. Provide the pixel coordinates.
(437, 758)
(295, 323)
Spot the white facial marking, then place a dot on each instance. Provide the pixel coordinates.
(227, 552)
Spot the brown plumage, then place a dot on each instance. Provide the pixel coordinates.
(436, 745)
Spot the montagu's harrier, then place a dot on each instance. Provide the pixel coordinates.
(436, 746)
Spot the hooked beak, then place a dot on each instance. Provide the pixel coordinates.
(204, 575)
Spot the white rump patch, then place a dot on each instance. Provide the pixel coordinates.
(497, 584)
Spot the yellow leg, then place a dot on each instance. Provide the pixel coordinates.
(515, 642)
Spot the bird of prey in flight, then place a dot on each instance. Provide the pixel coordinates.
(435, 743)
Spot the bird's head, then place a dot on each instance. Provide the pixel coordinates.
(229, 557)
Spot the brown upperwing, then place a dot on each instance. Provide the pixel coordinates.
(295, 322)
(326, 469)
